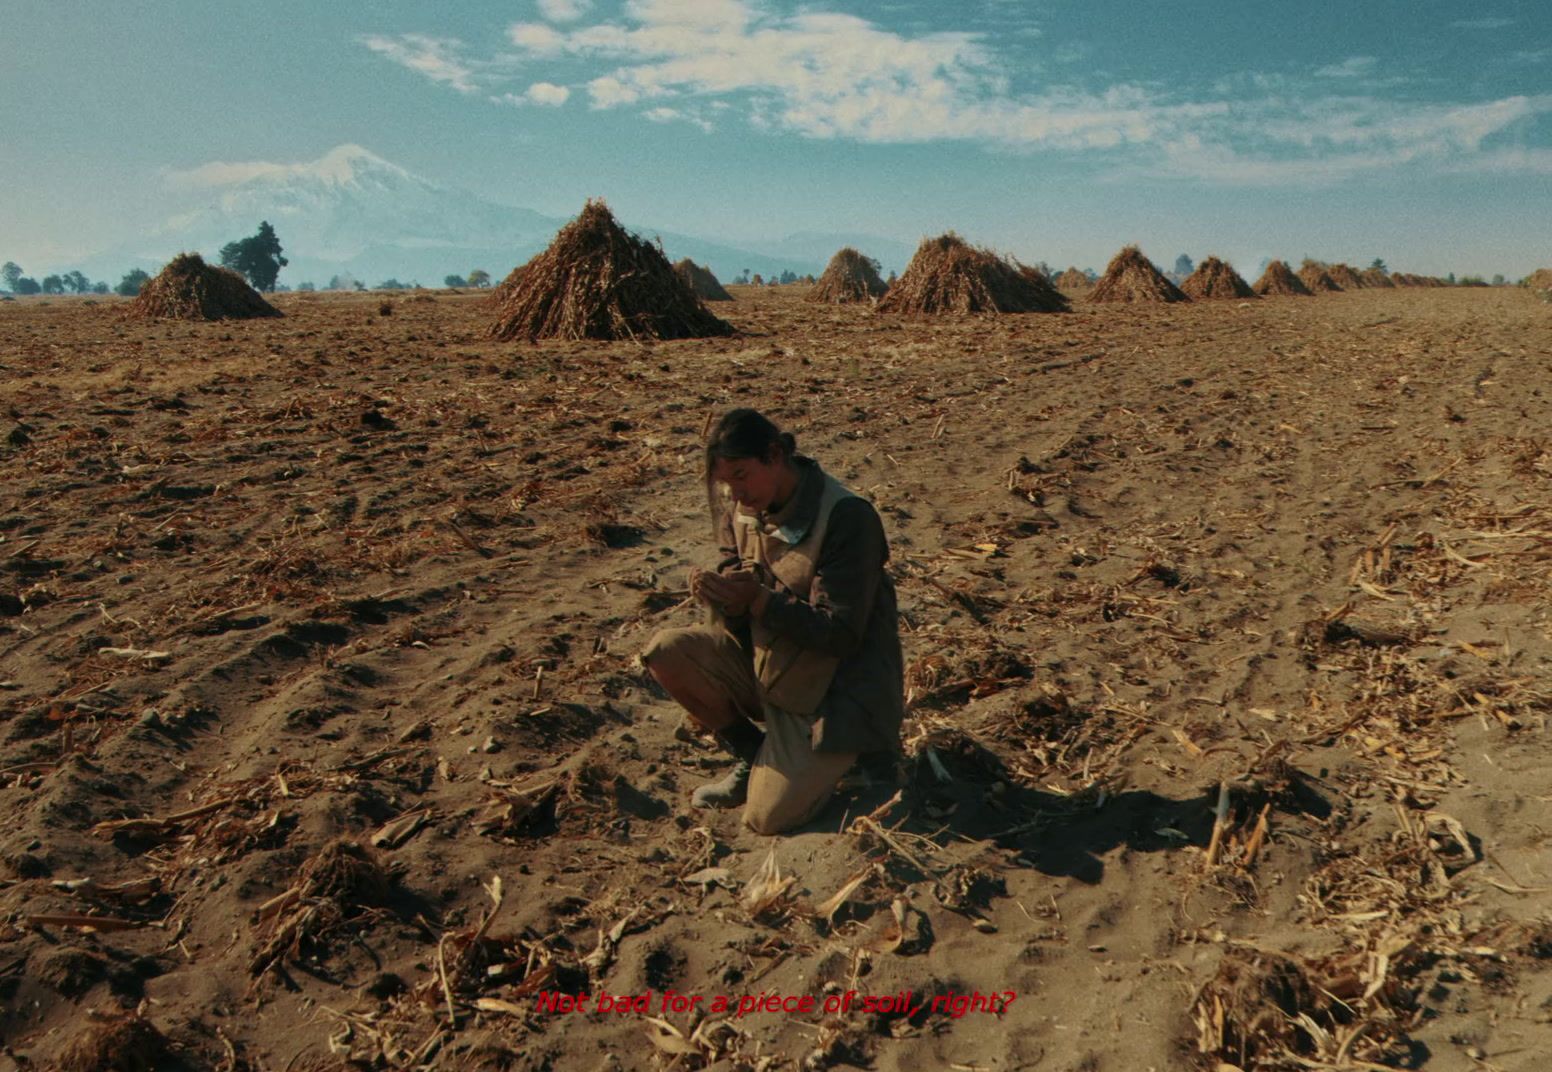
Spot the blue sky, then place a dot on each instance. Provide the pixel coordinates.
(1419, 132)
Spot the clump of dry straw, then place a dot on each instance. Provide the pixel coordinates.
(948, 275)
(598, 281)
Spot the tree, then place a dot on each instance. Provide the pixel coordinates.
(133, 280)
(100, 288)
(11, 273)
(77, 283)
(26, 285)
(1380, 264)
(479, 278)
(53, 284)
(305, 287)
(1498, 280)
(256, 257)
(454, 281)
(1183, 266)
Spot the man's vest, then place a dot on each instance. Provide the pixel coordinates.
(791, 677)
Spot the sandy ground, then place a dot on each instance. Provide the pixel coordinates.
(361, 573)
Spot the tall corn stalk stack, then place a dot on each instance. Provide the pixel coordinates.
(1280, 279)
(189, 289)
(849, 277)
(1317, 279)
(948, 275)
(702, 281)
(1131, 277)
(598, 281)
(1344, 277)
(1214, 278)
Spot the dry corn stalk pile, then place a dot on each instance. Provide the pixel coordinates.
(948, 275)
(189, 289)
(1214, 278)
(849, 277)
(1345, 277)
(701, 280)
(1279, 279)
(1131, 277)
(598, 281)
(1316, 278)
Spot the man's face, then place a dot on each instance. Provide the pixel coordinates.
(751, 482)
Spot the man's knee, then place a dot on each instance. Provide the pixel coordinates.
(768, 819)
(775, 813)
(665, 655)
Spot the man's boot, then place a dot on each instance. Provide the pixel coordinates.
(742, 740)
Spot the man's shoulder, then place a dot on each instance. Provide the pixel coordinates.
(852, 513)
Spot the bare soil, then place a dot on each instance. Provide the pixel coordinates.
(323, 743)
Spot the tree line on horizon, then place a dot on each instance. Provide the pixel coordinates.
(258, 259)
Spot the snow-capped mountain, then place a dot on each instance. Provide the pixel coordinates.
(351, 212)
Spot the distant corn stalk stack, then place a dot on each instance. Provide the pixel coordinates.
(948, 275)
(1317, 279)
(189, 289)
(598, 281)
(849, 277)
(1214, 278)
(1345, 277)
(1131, 277)
(1279, 279)
(701, 280)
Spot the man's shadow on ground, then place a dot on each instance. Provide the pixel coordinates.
(972, 794)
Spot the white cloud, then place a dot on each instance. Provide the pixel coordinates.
(340, 165)
(435, 57)
(1276, 141)
(537, 38)
(674, 115)
(564, 10)
(609, 92)
(1352, 67)
(830, 75)
(548, 93)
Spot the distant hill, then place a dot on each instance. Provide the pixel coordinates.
(351, 212)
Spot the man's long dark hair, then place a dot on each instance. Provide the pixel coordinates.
(740, 435)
